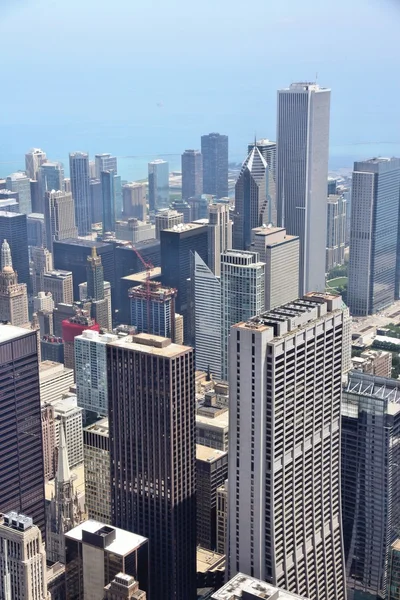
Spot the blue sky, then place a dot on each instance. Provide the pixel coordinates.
(155, 74)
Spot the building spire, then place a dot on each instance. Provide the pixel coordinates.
(63, 472)
(94, 252)
(6, 260)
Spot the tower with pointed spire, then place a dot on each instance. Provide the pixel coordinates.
(64, 512)
(95, 276)
(251, 205)
(13, 295)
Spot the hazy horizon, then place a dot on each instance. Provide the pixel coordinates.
(148, 79)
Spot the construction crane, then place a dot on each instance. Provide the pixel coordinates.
(148, 267)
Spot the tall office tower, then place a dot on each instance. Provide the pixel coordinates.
(13, 228)
(105, 162)
(118, 196)
(96, 201)
(63, 512)
(280, 253)
(134, 231)
(158, 184)
(37, 201)
(79, 173)
(219, 234)
(375, 204)
(67, 185)
(96, 452)
(211, 472)
(242, 294)
(21, 454)
(36, 230)
(182, 206)
(95, 276)
(207, 315)
(13, 295)
(73, 327)
(100, 310)
(91, 371)
(370, 481)
(161, 462)
(192, 174)
(42, 263)
(336, 231)
(176, 245)
(124, 587)
(108, 197)
(268, 150)
(92, 169)
(50, 177)
(134, 200)
(251, 201)
(153, 309)
(284, 447)
(214, 149)
(19, 182)
(22, 559)
(222, 517)
(9, 201)
(33, 160)
(199, 207)
(69, 416)
(60, 285)
(250, 588)
(59, 217)
(167, 219)
(301, 175)
(96, 553)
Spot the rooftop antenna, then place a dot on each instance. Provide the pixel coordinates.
(316, 77)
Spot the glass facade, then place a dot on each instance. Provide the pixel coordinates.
(14, 229)
(214, 148)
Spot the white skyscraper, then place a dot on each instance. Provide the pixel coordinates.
(19, 182)
(302, 173)
(285, 523)
(33, 160)
(207, 291)
(23, 572)
(59, 217)
(242, 293)
(91, 370)
(219, 234)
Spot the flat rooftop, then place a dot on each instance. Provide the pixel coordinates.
(10, 332)
(181, 227)
(150, 344)
(82, 242)
(101, 427)
(124, 541)
(208, 560)
(8, 214)
(207, 454)
(242, 584)
(66, 405)
(220, 421)
(57, 273)
(142, 276)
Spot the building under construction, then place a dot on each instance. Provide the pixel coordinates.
(153, 309)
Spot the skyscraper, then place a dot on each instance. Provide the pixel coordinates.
(91, 371)
(268, 150)
(153, 309)
(251, 202)
(284, 447)
(219, 234)
(159, 501)
(375, 205)
(280, 253)
(207, 315)
(60, 285)
(242, 293)
(36, 230)
(19, 182)
(96, 451)
(250, 588)
(134, 200)
(13, 295)
(95, 276)
(108, 196)
(192, 174)
(370, 481)
(158, 184)
(336, 231)
(96, 201)
(42, 263)
(33, 159)
(79, 174)
(59, 217)
(22, 559)
(301, 176)
(13, 228)
(167, 219)
(105, 162)
(176, 245)
(73, 327)
(21, 453)
(214, 149)
(50, 177)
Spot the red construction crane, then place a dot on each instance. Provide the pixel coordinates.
(148, 267)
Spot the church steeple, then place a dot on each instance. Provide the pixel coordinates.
(63, 472)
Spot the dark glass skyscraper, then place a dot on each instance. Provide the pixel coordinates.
(108, 197)
(192, 174)
(214, 148)
(13, 228)
(375, 206)
(152, 450)
(79, 174)
(21, 451)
